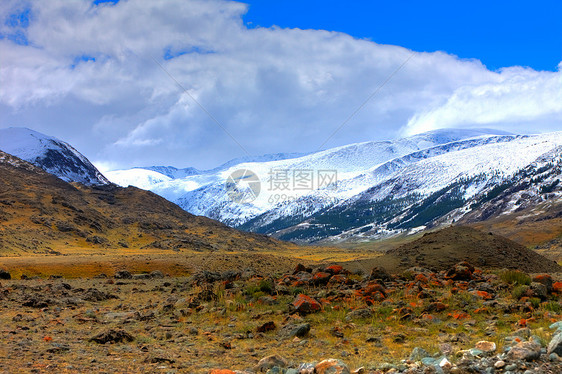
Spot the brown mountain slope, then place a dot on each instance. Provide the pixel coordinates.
(440, 250)
(40, 213)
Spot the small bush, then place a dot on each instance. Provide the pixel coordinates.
(553, 306)
(519, 291)
(535, 302)
(515, 277)
(297, 290)
(266, 286)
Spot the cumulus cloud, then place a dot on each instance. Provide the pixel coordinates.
(520, 99)
(90, 74)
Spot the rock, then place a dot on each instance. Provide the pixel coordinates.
(141, 276)
(156, 274)
(358, 313)
(93, 294)
(499, 364)
(379, 273)
(418, 353)
(545, 279)
(301, 268)
(461, 271)
(112, 336)
(5, 275)
(334, 269)
(331, 366)
(555, 345)
(269, 362)
(268, 326)
(528, 351)
(488, 348)
(305, 304)
(221, 371)
(537, 290)
(321, 278)
(35, 302)
(306, 368)
(123, 274)
(292, 330)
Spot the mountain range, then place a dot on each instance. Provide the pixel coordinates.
(354, 193)
(379, 189)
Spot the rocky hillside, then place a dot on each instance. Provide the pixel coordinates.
(40, 213)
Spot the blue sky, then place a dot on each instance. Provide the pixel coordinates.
(498, 33)
(272, 76)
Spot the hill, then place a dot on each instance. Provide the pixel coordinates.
(40, 213)
(442, 249)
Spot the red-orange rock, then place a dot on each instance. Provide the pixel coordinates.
(334, 269)
(482, 294)
(544, 279)
(461, 271)
(305, 304)
(557, 287)
(321, 278)
(221, 371)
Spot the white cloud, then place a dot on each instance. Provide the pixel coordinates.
(522, 99)
(88, 76)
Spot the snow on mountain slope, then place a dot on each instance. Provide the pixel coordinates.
(205, 194)
(417, 194)
(51, 154)
(140, 178)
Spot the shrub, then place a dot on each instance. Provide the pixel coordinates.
(553, 306)
(519, 291)
(515, 277)
(266, 286)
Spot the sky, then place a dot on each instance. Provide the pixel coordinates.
(199, 82)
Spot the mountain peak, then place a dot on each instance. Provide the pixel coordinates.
(51, 154)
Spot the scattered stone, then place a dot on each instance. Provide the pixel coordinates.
(358, 314)
(112, 336)
(555, 345)
(156, 274)
(379, 273)
(268, 326)
(488, 348)
(527, 351)
(304, 304)
(5, 275)
(499, 364)
(269, 362)
(461, 271)
(331, 366)
(292, 330)
(123, 274)
(418, 354)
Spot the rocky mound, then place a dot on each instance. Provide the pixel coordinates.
(442, 249)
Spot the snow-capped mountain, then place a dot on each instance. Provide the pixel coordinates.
(51, 154)
(362, 190)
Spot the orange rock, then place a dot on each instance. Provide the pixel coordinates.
(482, 294)
(421, 278)
(334, 269)
(557, 287)
(305, 304)
(321, 277)
(221, 371)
